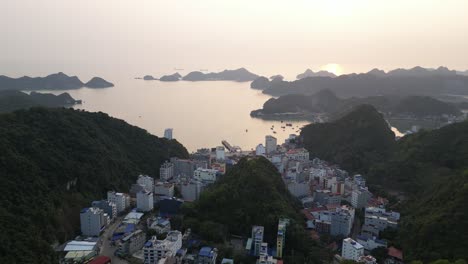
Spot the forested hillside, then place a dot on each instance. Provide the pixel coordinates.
(53, 162)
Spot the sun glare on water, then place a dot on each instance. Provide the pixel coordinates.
(333, 68)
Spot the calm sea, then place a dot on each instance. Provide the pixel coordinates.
(201, 113)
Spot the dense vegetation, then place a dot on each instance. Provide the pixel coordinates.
(252, 193)
(15, 100)
(429, 168)
(325, 101)
(53, 162)
(355, 141)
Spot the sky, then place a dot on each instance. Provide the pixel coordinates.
(137, 37)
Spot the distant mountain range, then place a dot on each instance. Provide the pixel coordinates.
(57, 81)
(14, 100)
(238, 75)
(310, 73)
(415, 81)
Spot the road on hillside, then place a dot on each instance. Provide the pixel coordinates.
(107, 249)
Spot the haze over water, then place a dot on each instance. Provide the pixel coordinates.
(201, 113)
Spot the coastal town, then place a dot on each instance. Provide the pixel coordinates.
(137, 227)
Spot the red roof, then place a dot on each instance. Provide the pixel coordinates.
(307, 214)
(279, 261)
(100, 260)
(396, 253)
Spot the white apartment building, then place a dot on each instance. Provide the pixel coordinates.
(121, 200)
(92, 221)
(145, 202)
(205, 175)
(168, 133)
(166, 172)
(260, 150)
(146, 181)
(257, 239)
(220, 153)
(270, 144)
(154, 249)
(359, 198)
(351, 249)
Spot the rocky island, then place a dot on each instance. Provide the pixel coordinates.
(171, 78)
(57, 81)
(238, 75)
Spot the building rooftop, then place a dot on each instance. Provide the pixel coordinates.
(80, 246)
(353, 243)
(206, 252)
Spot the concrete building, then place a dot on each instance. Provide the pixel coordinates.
(166, 172)
(351, 249)
(270, 145)
(168, 133)
(136, 188)
(342, 220)
(299, 189)
(207, 255)
(359, 180)
(370, 243)
(160, 225)
(260, 150)
(338, 187)
(154, 249)
(298, 154)
(359, 198)
(220, 153)
(164, 188)
(131, 243)
(183, 168)
(145, 202)
(121, 200)
(191, 190)
(108, 207)
(266, 259)
(205, 175)
(281, 236)
(92, 221)
(146, 181)
(257, 239)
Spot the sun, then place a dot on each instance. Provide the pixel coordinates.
(333, 68)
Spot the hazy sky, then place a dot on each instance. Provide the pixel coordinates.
(137, 37)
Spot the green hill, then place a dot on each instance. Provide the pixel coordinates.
(53, 162)
(428, 168)
(431, 168)
(15, 100)
(355, 141)
(252, 193)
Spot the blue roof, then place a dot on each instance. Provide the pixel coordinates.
(362, 237)
(148, 244)
(129, 228)
(84, 210)
(205, 252)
